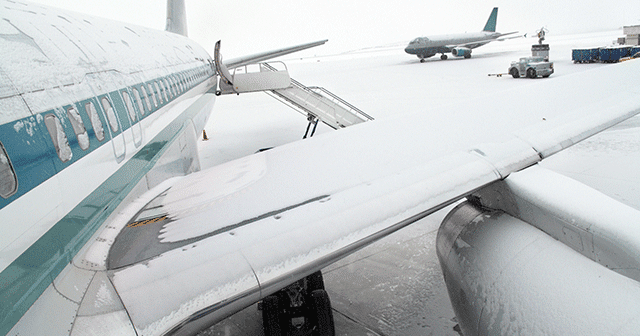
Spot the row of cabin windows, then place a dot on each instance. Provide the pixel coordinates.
(168, 88)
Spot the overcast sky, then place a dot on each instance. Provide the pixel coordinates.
(247, 27)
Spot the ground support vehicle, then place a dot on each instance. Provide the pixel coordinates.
(532, 67)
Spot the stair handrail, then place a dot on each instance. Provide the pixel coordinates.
(342, 101)
(312, 89)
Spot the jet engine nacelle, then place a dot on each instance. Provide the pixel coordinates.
(506, 277)
(461, 51)
(539, 253)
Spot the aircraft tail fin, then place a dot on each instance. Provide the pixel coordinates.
(176, 17)
(491, 23)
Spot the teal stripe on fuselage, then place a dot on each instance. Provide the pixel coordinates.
(22, 282)
(32, 152)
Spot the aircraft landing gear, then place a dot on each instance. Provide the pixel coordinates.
(302, 308)
(443, 57)
(422, 60)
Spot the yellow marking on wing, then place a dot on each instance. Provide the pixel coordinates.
(147, 221)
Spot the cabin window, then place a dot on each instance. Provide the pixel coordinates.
(153, 95)
(158, 91)
(174, 85)
(136, 96)
(8, 179)
(169, 92)
(146, 97)
(164, 91)
(169, 84)
(95, 121)
(128, 104)
(111, 114)
(182, 84)
(58, 137)
(78, 127)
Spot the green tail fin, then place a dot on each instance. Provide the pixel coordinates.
(491, 23)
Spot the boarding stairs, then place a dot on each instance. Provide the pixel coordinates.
(316, 103)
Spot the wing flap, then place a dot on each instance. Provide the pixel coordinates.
(279, 215)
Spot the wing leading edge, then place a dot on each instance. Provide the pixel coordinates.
(263, 56)
(250, 227)
(478, 43)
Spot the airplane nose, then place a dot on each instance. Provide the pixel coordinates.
(410, 50)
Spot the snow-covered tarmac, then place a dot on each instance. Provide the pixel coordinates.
(395, 286)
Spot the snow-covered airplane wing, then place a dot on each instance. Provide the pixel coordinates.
(228, 236)
(222, 67)
(259, 57)
(501, 38)
(496, 37)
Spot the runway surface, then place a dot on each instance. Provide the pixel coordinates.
(395, 286)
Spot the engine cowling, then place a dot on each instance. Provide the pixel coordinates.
(539, 253)
(461, 51)
(506, 277)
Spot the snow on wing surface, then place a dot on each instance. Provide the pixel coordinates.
(297, 208)
(259, 57)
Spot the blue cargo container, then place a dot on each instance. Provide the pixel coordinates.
(585, 55)
(580, 55)
(612, 55)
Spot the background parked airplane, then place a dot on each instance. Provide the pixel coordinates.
(457, 44)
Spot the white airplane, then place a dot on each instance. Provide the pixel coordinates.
(109, 227)
(457, 44)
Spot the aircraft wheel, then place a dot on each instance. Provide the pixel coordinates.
(218, 92)
(315, 282)
(531, 73)
(422, 60)
(467, 56)
(514, 73)
(272, 315)
(443, 57)
(322, 314)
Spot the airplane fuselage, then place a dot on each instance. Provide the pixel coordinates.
(425, 47)
(91, 112)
